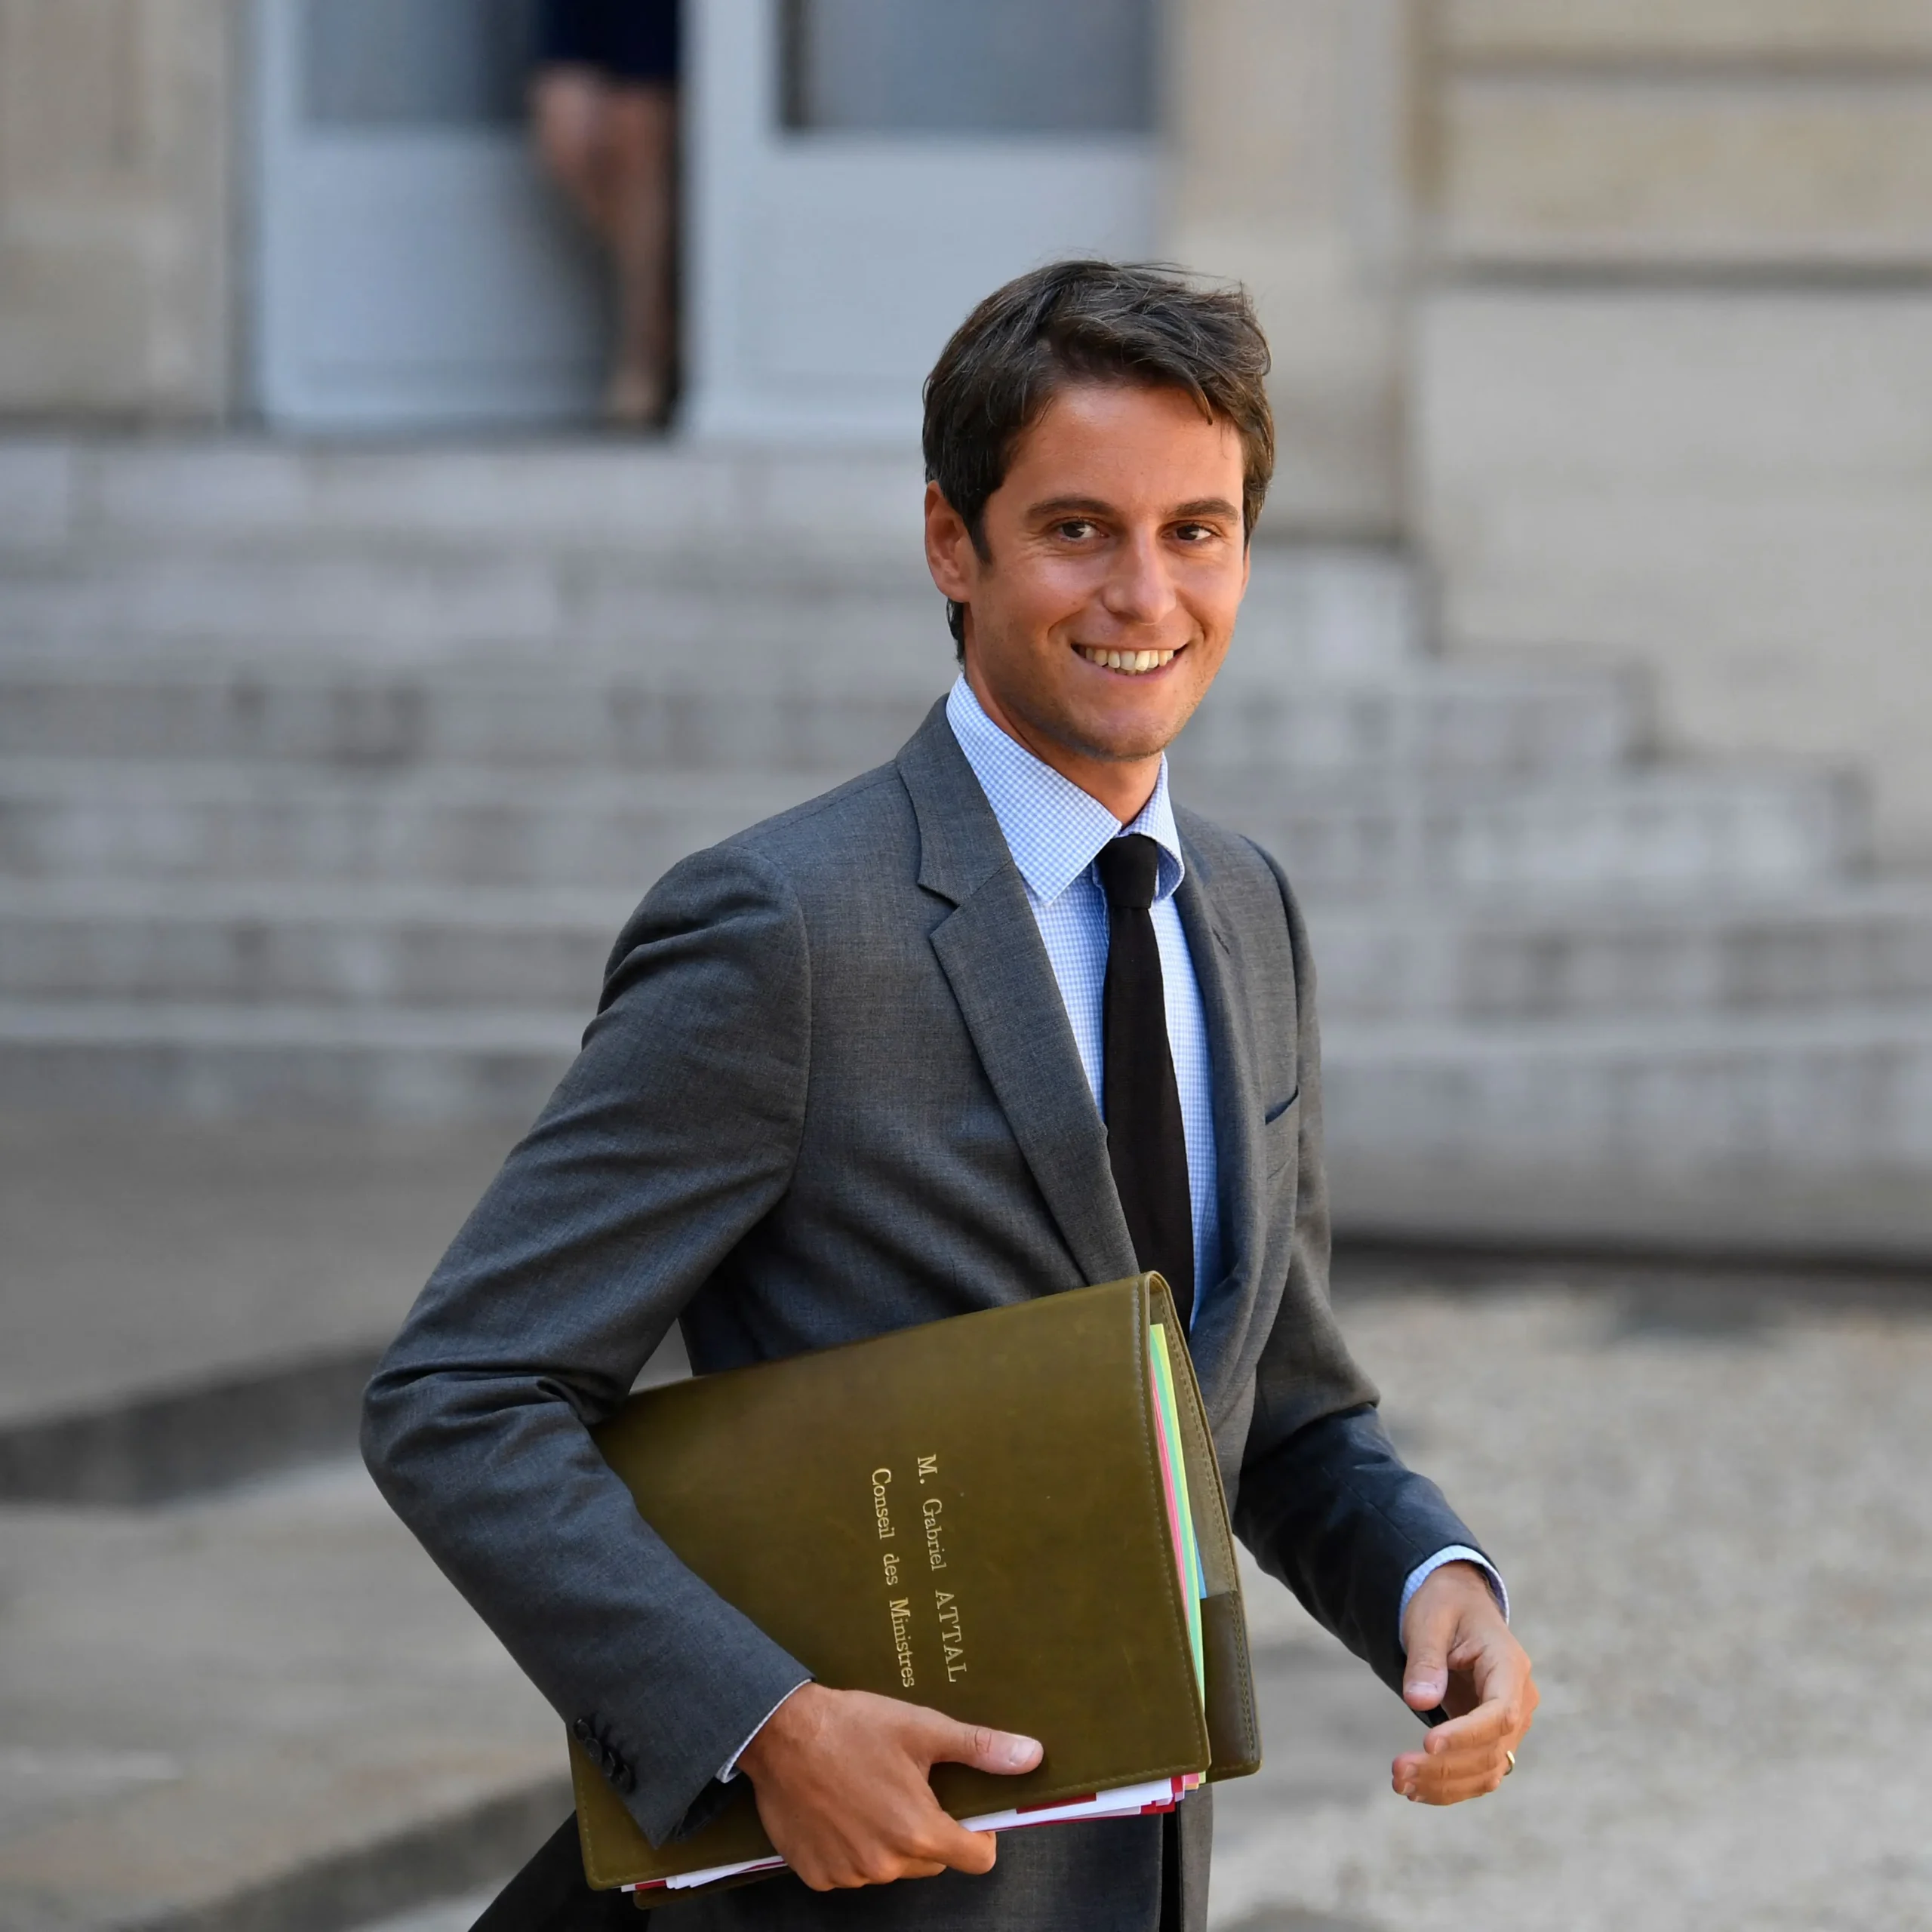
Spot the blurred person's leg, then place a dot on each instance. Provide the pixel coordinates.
(642, 124)
(604, 104)
(569, 109)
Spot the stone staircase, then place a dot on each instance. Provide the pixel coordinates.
(326, 777)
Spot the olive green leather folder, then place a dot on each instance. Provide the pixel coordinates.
(969, 1515)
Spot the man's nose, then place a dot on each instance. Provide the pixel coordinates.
(1139, 588)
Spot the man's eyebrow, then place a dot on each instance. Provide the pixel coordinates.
(1201, 506)
(1052, 507)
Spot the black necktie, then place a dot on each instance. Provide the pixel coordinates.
(1145, 1146)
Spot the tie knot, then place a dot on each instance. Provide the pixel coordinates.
(1130, 870)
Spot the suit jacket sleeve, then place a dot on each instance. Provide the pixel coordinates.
(673, 1133)
(1324, 1501)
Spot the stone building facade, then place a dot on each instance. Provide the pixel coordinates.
(1672, 361)
(1619, 312)
(119, 188)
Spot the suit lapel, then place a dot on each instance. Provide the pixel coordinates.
(990, 949)
(1229, 1305)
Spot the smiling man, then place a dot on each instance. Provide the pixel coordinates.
(994, 1020)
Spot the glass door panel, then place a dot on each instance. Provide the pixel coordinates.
(991, 66)
(416, 270)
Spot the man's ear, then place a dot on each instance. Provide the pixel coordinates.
(949, 552)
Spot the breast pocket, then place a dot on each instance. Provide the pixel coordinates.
(1281, 1134)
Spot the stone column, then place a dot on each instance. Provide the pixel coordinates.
(116, 197)
(1673, 387)
(1288, 124)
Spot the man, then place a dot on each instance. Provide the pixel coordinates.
(993, 1021)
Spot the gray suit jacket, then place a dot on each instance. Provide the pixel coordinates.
(831, 1091)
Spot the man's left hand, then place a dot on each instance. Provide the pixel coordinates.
(1462, 1656)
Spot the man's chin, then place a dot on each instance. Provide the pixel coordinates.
(1120, 729)
(1120, 741)
(1125, 730)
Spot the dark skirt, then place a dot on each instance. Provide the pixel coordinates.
(634, 41)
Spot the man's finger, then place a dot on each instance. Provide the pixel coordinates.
(1412, 1770)
(1496, 1718)
(1477, 1782)
(973, 1852)
(921, 1845)
(941, 1843)
(1426, 1675)
(1449, 1763)
(985, 1749)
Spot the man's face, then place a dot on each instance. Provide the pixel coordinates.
(1114, 571)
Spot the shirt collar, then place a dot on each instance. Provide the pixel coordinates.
(1053, 829)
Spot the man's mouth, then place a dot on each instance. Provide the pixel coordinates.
(1133, 664)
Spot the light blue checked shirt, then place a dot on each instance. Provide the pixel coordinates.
(1055, 831)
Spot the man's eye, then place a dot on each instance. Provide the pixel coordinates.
(1194, 533)
(1076, 529)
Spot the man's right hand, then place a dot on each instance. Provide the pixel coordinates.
(842, 1778)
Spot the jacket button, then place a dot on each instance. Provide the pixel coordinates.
(581, 1731)
(612, 1762)
(623, 1777)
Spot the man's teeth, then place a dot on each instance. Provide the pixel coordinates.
(1132, 662)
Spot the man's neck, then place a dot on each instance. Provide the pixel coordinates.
(1124, 787)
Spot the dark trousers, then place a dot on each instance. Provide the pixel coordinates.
(550, 1893)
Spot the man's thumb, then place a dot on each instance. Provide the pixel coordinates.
(987, 1750)
(1426, 1675)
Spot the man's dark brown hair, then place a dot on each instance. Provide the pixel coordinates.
(1089, 321)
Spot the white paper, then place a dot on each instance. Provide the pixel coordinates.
(1128, 1801)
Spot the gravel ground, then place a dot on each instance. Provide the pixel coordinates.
(1712, 1508)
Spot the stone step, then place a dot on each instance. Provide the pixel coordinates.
(693, 717)
(1253, 731)
(74, 819)
(144, 540)
(1773, 1131)
(1488, 958)
(1481, 959)
(363, 603)
(1837, 1088)
(327, 945)
(411, 606)
(1426, 1122)
(252, 942)
(61, 498)
(217, 1061)
(1658, 826)
(690, 718)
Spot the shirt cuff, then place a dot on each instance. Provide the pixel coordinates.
(730, 1770)
(1457, 1552)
